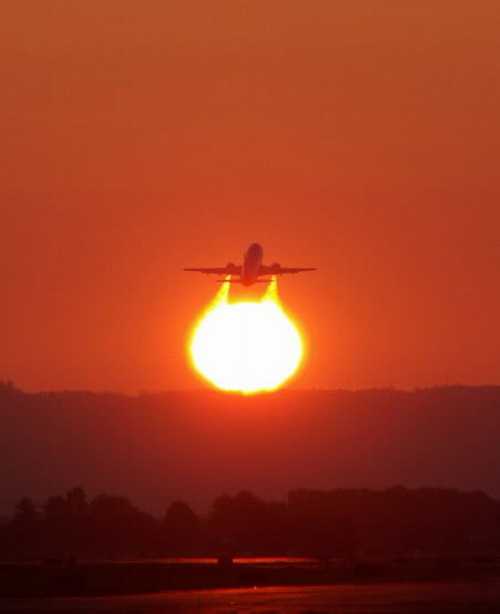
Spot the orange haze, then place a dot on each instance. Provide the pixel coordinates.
(137, 138)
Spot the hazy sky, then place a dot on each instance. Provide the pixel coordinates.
(140, 137)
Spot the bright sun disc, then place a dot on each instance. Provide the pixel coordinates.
(246, 346)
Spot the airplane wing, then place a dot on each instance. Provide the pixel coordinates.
(225, 270)
(276, 269)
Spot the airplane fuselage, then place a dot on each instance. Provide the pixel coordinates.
(251, 264)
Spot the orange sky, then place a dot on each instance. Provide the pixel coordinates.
(140, 137)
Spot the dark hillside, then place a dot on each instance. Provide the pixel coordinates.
(193, 445)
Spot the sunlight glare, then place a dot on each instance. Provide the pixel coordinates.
(246, 346)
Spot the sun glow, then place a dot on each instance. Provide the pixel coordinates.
(246, 346)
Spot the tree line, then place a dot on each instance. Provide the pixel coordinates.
(343, 523)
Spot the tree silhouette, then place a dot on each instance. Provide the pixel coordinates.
(181, 529)
(24, 535)
(340, 523)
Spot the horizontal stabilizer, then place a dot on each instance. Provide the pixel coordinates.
(239, 281)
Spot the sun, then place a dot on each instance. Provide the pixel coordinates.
(246, 346)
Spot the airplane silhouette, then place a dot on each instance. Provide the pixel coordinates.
(251, 270)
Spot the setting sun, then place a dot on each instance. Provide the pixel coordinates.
(246, 346)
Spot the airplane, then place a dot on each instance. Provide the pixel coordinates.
(251, 270)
